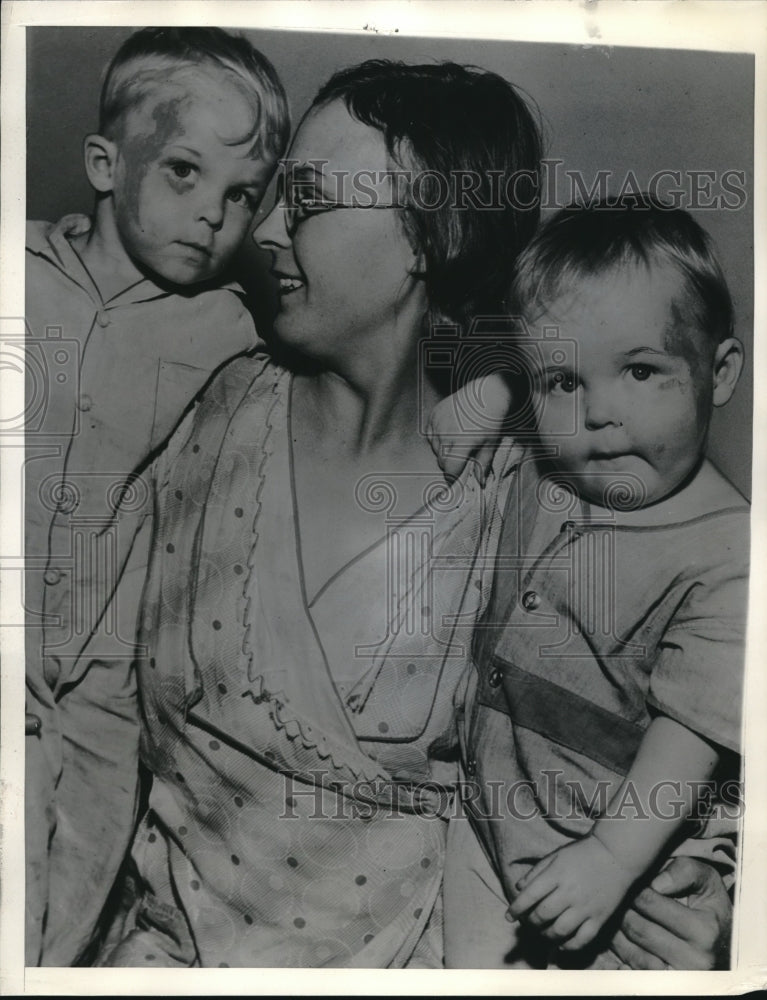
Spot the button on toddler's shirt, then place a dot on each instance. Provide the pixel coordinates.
(84, 402)
(530, 600)
(52, 576)
(102, 317)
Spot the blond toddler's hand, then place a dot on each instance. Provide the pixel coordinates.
(571, 893)
(467, 425)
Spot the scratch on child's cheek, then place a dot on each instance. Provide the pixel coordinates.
(682, 385)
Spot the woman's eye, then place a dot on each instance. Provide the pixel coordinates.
(641, 372)
(562, 382)
(306, 204)
(312, 203)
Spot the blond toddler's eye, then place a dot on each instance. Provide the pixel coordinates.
(562, 382)
(242, 198)
(181, 170)
(641, 372)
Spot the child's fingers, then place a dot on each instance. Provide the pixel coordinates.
(583, 936)
(548, 911)
(484, 459)
(535, 871)
(452, 461)
(533, 894)
(565, 925)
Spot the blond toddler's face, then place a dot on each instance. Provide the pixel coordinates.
(626, 389)
(186, 179)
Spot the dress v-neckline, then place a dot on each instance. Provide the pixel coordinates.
(338, 573)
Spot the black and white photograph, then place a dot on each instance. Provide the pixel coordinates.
(377, 473)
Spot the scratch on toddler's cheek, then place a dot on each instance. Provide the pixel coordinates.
(674, 383)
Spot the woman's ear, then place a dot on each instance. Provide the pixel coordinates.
(728, 364)
(99, 155)
(418, 268)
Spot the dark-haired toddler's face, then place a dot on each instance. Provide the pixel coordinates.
(187, 182)
(626, 386)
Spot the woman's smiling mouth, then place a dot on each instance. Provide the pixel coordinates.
(288, 283)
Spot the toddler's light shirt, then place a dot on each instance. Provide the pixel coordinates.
(108, 381)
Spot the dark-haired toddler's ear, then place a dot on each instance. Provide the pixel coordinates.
(728, 364)
(99, 155)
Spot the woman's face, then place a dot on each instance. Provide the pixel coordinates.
(347, 288)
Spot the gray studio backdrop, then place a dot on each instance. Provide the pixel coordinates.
(618, 110)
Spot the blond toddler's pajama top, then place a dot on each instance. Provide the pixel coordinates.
(108, 381)
(598, 619)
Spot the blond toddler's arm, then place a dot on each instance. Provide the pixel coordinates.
(571, 893)
(466, 426)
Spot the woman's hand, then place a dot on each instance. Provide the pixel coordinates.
(467, 425)
(659, 932)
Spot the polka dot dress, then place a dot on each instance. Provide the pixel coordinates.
(294, 816)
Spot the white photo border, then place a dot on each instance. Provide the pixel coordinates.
(717, 25)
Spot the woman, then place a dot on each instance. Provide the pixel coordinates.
(302, 739)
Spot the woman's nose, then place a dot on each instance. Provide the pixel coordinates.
(273, 232)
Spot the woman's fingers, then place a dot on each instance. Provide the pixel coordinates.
(689, 877)
(660, 932)
(660, 941)
(699, 930)
(633, 955)
(681, 920)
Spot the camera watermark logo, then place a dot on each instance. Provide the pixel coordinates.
(32, 366)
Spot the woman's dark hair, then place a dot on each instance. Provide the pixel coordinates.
(471, 151)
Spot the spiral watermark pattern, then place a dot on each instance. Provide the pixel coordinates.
(60, 496)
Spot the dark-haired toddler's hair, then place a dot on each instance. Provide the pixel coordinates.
(146, 58)
(440, 122)
(583, 241)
